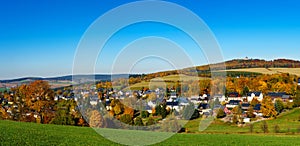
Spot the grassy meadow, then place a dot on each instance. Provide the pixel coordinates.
(288, 122)
(17, 133)
(218, 133)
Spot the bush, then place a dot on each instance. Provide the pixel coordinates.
(264, 127)
(276, 128)
(221, 113)
(145, 114)
(251, 127)
(138, 121)
(234, 119)
(126, 118)
(151, 121)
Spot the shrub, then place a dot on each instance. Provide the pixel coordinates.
(221, 113)
(126, 118)
(145, 114)
(151, 121)
(138, 121)
(264, 127)
(234, 119)
(276, 128)
(251, 127)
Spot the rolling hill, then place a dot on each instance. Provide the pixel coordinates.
(18, 133)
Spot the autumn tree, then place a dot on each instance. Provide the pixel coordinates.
(96, 119)
(38, 97)
(268, 108)
(250, 112)
(152, 96)
(138, 121)
(129, 111)
(220, 113)
(254, 102)
(127, 119)
(297, 98)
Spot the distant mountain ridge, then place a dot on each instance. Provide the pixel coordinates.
(98, 77)
(231, 64)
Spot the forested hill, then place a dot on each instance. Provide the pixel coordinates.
(202, 70)
(205, 70)
(256, 63)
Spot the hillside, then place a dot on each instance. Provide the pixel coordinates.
(256, 63)
(293, 71)
(248, 65)
(15, 133)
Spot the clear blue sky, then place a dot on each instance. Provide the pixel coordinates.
(39, 38)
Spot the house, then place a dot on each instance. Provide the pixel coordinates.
(220, 97)
(204, 98)
(173, 105)
(257, 110)
(245, 106)
(195, 99)
(256, 94)
(227, 111)
(203, 106)
(246, 120)
(257, 107)
(148, 109)
(173, 95)
(94, 100)
(233, 96)
(107, 105)
(285, 97)
(177, 104)
(233, 103)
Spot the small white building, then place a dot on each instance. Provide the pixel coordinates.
(258, 95)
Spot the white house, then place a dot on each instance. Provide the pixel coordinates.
(258, 95)
(233, 103)
(195, 99)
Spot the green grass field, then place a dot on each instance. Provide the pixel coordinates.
(288, 122)
(18, 133)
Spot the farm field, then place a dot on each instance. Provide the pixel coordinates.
(294, 71)
(165, 81)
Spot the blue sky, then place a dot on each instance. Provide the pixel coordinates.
(39, 38)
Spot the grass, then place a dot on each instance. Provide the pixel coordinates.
(288, 122)
(217, 133)
(18, 133)
(294, 71)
